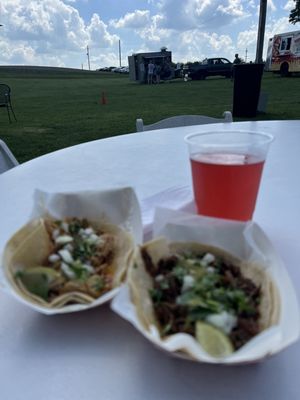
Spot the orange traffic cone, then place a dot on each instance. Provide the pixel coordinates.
(103, 99)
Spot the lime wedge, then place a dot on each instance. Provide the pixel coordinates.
(38, 280)
(213, 341)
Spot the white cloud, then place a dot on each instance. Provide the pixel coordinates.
(136, 19)
(247, 38)
(49, 20)
(271, 6)
(280, 25)
(145, 27)
(105, 59)
(195, 45)
(205, 14)
(251, 4)
(99, 34)
(220, 42)
(200, 6)
(153, 33)
(50, 32)
(186, 28)
(289, 5)
(54, 32)
(12, 55)
(234, 8)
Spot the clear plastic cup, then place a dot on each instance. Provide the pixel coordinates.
(226, 171)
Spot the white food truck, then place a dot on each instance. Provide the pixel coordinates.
(284, 53)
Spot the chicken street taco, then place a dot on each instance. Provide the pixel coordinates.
(54, 263)
(202, 291)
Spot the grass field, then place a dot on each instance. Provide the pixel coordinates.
(57, 108)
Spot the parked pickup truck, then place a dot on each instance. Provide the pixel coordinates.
(211, 67)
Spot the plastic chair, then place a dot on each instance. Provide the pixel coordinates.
(182, 120)
(7, 159)
(5, 100)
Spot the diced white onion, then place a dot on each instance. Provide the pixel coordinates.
(53, 258)
(208, 259)
(63, 239)
(224, 321)
(188, 283)
(66, 256)
(93, 238)
(88, 268)
(89, 231)
(67, 270)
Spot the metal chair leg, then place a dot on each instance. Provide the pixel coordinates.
(12, 110)
(8, 114)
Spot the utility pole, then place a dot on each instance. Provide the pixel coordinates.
(120, 53)
(246, 55)
(88, 56)
(261, 31)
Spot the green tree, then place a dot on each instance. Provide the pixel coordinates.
(295, 13)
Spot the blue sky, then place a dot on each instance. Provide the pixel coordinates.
(57, 32)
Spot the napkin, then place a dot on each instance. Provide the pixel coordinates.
(174, 198)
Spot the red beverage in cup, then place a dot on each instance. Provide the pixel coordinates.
(226, 184)
(226, 170)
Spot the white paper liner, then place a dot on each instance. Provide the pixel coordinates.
(245, 240)
(174, 198)
(116, 206)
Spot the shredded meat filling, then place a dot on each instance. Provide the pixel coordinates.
(175, 318)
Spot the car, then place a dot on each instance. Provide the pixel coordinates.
(102, 69)
(211, 67)
(124, 70)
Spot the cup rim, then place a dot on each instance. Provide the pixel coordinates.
(268, 136)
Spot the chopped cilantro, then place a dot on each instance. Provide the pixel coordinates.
(179, 271)
(74, 227)
(81, 273)
(156, 295)
(96, 283)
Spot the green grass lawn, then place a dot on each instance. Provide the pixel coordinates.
(57, 108)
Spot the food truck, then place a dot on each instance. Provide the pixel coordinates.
(284, 53)
(138, 65)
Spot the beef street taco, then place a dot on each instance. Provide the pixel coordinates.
(54, 263)
(202, 291)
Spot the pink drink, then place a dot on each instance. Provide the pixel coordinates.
(226, 185)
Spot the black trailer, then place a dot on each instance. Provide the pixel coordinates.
(138, 65)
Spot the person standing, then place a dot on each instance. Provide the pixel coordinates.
(142, 72)
(158, 71)
(237, 59)
(150, 72)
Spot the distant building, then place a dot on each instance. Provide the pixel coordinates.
(138, 65)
